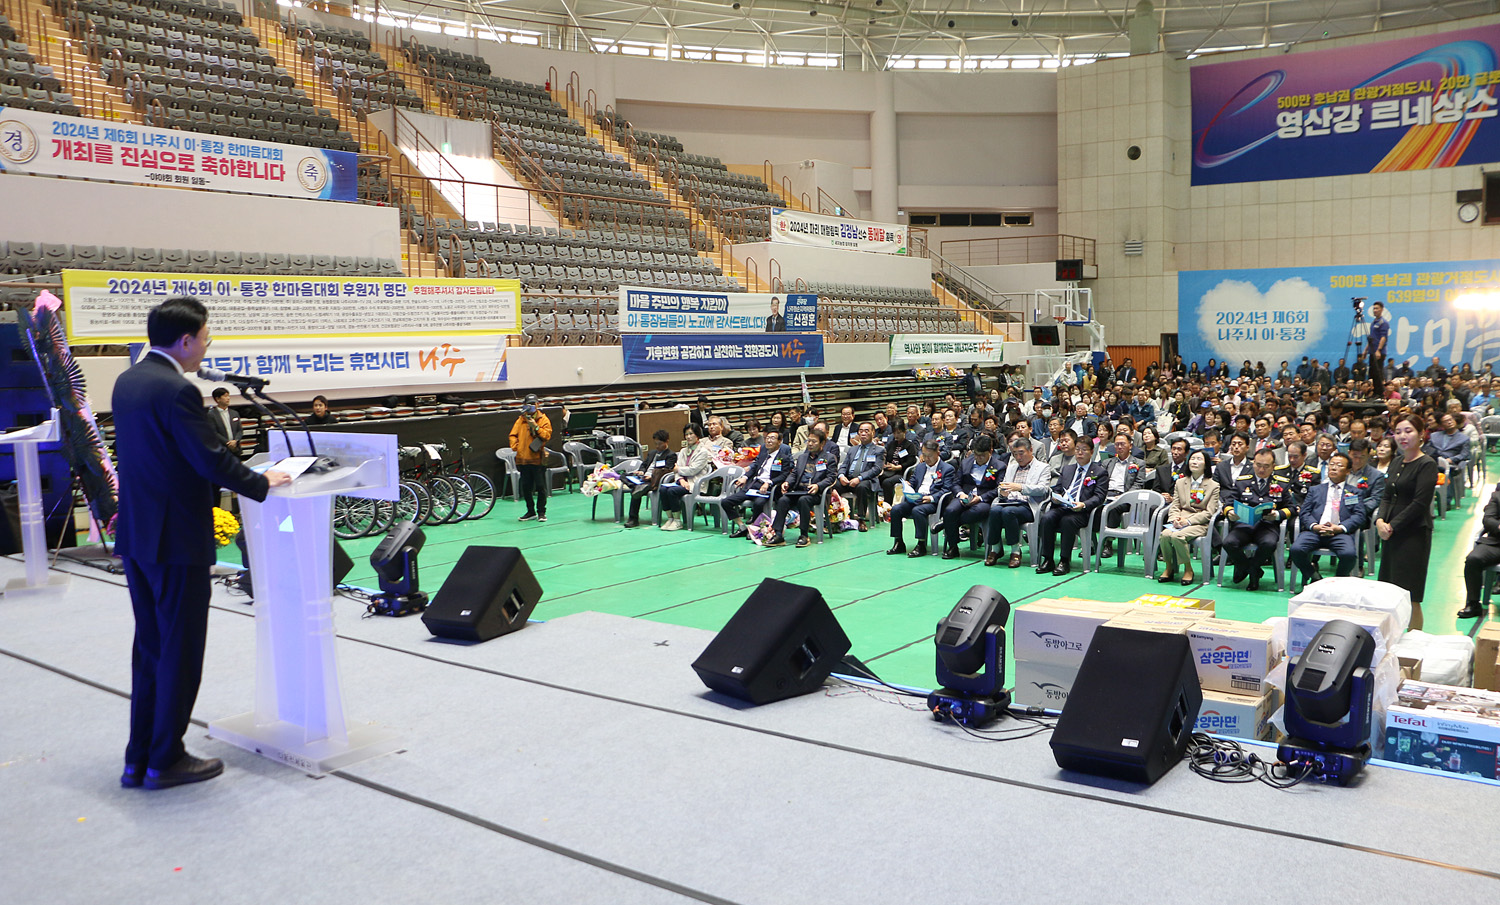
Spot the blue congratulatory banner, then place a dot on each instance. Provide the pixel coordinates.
(1281, 314)
(662, 353)
(645, 310)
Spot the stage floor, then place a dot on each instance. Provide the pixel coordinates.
(580, 760)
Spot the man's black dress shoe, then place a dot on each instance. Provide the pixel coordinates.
(1043, 567)
(134, 775)
(1062, 569)
(950, 554)
(921, 550)
(896, 549)
(188, 769)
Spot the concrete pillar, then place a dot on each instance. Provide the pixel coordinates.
(884, 155)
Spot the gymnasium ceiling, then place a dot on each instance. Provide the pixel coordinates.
(877, 33)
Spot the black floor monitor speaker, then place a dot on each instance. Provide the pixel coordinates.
(342, 564)
(1132, 708)
(490, 592)
(783, 641)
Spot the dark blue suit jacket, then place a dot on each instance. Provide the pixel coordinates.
(170, 459)
(1351, 508)
(946, 481)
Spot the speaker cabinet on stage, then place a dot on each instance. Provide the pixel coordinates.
(1132, 708)
(490, 592)
(783, 641)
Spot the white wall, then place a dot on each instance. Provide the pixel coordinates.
(754, 135)
(42, 209)
(1018, 277)
(836, 265)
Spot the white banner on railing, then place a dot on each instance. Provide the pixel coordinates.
(49, 144)
(311, 333)
(803, 228)
(945, 348)
(644, 310)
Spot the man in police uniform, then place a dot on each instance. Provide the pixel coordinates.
(1261, 485)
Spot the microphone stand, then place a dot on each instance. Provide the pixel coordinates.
(311, 445)
(246, 392)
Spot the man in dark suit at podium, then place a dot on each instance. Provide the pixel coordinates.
(170, 460)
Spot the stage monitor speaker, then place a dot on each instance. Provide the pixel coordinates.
(1045, 335)
(490, 592)
(783, 641)
(342, 564)
(1132, 708)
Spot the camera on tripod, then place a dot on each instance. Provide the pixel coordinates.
(1358, 303)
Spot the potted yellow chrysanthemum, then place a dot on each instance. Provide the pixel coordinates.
(226, 526)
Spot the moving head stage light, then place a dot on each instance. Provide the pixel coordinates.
(395, 563)
(1329, 701)
(971, 659)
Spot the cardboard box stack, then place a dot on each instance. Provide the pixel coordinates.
(1048, 639)
(1444, 727)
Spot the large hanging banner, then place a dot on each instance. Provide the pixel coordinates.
(655, 353)
(1408, 104)
(1281, 314)
(943, 348)
(803, 228)
(47, 144)
(316, 332)
(645, 310)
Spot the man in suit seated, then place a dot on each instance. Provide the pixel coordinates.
(859, 474)
(929, 480)
(1123, 473)
(1486, 553)
(1175, 467)
(755, 485)
(1233, 466)
(1076, 496)
(1261, 485)
(970, 503)
(660, 463)
(1026, 481)
(811, 474)
(900, 454)
(1330, 515)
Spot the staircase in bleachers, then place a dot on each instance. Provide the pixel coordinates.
(43, 70)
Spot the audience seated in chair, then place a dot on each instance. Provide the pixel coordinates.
(859, 473)
(755, 486)
(900, 454)
(656, 466)
(693, 462)
(1195, 500)
(929, 480)
(1024, 484)
(1330, 516)
(1123, 472)
(811, 475)
(1262, 485)
(1076, 496)
(969, 503)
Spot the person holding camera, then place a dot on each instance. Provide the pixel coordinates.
(528, 437)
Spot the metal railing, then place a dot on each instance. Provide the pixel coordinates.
(1019, 250)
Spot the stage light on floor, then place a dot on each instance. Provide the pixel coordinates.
(971, 659)
(395, 563)
(1329, 702)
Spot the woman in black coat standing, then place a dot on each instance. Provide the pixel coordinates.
(1405, 522)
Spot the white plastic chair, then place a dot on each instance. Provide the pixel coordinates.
(1142, 507)
(727, 476)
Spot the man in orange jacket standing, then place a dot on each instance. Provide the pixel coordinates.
(528, 437)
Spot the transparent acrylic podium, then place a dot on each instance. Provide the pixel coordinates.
(33, 519)
(299, 710)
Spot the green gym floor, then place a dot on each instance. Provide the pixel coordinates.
(888, 605)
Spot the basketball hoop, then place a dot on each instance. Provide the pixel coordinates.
(1059, 317)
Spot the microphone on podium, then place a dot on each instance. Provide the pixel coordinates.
(240, 380)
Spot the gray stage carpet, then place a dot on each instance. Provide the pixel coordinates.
(581, 760)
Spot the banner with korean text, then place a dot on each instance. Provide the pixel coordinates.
(645, 310)
(803, 228)
(944, 348)
(1447, 309)
(313, 333)
(1406, 104)
(661, 353)
(48, 144)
